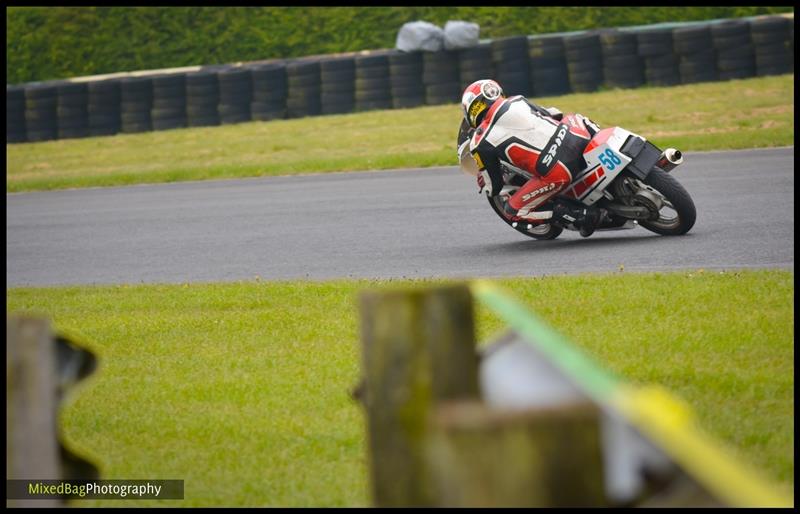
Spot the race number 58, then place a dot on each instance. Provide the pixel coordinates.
(609, 159)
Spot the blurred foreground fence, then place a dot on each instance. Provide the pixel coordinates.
(528, 422)
(40, 369)
(540, 65)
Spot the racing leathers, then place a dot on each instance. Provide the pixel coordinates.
(541, 144)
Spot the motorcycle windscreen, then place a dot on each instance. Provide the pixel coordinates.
(466, 161)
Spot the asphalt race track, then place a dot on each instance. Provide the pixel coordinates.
(410, 223)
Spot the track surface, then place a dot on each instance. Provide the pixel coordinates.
(411, 223)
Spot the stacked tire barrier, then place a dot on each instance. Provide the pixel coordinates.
(270, 91)
(734, 50)
(235, 95)
(622, 66)
(659, 61)
(202, 99)
(72, 115)
(511, 65)
(15, 114)
(441, 77)
(338, 85)
(773, 39)
(584, 62)
(303, 79)
(373, 82)
(105, 102)
(405, 70)
(697, 61)
(475, 63)
(169, 101)
(136, 94)
(41, 101)
(548, 66)
(541, 65)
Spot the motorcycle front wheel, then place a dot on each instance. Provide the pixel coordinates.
(678, 214)
(544, 231)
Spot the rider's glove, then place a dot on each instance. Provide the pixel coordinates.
(484, 183)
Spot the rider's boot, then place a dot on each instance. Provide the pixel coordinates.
(585, 218)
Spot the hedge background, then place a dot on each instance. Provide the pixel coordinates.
(44, 43)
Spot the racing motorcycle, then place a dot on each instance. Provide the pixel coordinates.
(626, 176)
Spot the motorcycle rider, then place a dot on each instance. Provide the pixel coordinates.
(512, 132)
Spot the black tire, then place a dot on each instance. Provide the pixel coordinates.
(169, 123)
(622, 62)
(729, 28)
(543, 232)
(405, 59)
(682, 203)
(268, 115)
(338, 88)
(132, 128)
(770, 38)
(405, 81)
(406, 69)
(547, 52)
(405, 102)
(368, 95)
(338, 107)
(372, 73)
(334, 77)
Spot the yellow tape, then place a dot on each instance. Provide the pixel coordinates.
(669, 422)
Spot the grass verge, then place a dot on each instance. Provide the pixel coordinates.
(751, 113)
(242, 389)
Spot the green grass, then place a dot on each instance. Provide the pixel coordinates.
(750, 113)
(242, 389)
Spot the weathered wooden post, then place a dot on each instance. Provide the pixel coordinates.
(39, 368)
(418, 350)
(543, 457)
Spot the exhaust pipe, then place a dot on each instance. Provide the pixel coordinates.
(670, 159)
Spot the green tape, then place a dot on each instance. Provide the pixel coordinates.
(596, 382)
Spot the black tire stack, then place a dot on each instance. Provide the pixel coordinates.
(41, 100)
(15, 114)
(136, 94)
(105, 100)
(235, 95)
(584, 61)
(72, 110)
(441, 77)
(373, 84)
(773, 41)
(269, 91)
(734, 49)
(622, 66)
(660, 62)
(303, 79)
(338, 89)
(548, 66)
(405, 71)
(511, 65)
(475, 64)
(169, 101)
(202, 98)
(695, 50)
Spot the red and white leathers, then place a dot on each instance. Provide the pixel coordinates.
(518, 134)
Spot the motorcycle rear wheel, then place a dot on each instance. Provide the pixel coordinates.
(678, 200)
(544, 232)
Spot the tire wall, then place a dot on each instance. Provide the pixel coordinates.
(538, 65)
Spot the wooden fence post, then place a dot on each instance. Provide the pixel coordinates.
(39, 368)
(418, 350)
(548, 457)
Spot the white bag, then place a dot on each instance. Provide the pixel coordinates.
(420, 35)
(460, 34)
